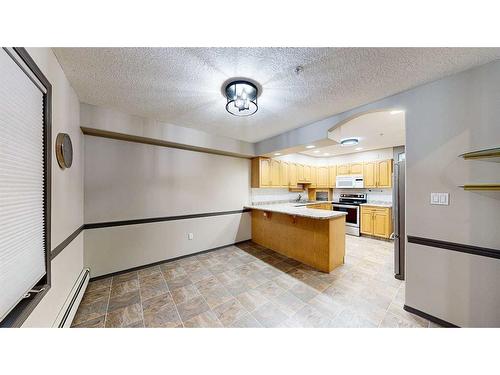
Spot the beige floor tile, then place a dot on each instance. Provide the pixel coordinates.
(166, 317)
(269, 315)
(124, 300)
(172, 273)
(99, 284)
(94, 323)
(303, 292)
(150, 290)
(179, 282)
(125, 316)
(229, 312)
(90, 311)
(185, 293)
(216, 296)
(117, 289)
(252, 299)
(394, 321)
(287, 302)
(125, 277)
(154, 304)
(203, 320)
(246, 321)
(193, 307)
(95, 296)
(154, 270)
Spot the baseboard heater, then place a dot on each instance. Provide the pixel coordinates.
(68, 311)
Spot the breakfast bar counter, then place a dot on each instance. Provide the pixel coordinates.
(315, 237)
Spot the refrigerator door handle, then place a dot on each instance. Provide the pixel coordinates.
(395, 200)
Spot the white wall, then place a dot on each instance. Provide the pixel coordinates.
(125, 180)
(67, 192)
(111, 120)
(443, 119)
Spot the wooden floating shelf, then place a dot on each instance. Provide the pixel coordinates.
(491, 154)
(483, 187)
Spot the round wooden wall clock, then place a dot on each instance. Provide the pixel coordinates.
(64, 150)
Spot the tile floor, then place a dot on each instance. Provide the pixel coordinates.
(250, 286)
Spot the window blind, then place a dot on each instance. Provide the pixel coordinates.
(22, 253)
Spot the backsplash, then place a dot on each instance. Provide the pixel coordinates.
(274, 195)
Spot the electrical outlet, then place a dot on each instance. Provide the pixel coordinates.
(190, 236)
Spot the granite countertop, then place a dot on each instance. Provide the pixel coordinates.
(301, 210)
(377, 204)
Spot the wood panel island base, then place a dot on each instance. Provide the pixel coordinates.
(317, 242)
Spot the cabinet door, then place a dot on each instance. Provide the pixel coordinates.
(369, 175)
(384, 173)
(275, 173)
(366, 226)
(292, 175)
(300, 173)
(284, 175)
(343, 169)
(332, 175)
(265, 172)
(322, 178)
(381, 223)
(314, 177)
(307, 173)
(356, 168)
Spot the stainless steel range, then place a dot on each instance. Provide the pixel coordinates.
(349, 203)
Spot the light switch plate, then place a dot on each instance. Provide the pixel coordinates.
(190, 236)
(441, 199)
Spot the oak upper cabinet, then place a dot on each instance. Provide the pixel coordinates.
(369, 174)
(343, 169)
(261, 172)
(314, 177)
(356, 168)
(332, 176)
(384, 173)
(307, 173)
(322, 177)
(284, 174)
(292, 175)
(275, 173)
(376, 221)
(300, 173)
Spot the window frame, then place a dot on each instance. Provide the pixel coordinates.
(23, 309)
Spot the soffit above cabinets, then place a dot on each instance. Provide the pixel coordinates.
(183, 86)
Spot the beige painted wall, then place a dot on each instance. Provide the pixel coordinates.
(67, 191)
(125, 181)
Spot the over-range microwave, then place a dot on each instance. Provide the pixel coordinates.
(352, 181)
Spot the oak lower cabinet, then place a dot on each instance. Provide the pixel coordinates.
(376, 221)
(321, 206)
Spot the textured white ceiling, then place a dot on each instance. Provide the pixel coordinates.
(182, 86)
(374, 131)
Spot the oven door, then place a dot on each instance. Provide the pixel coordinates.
(352, 218)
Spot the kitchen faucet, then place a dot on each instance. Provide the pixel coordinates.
(299, 198)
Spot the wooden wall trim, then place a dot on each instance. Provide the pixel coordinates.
(157, 142)
(458, 247)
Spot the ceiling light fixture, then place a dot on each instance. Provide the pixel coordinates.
(277, 154)
(349, 141)
(326, 154)
(299, 69)
(316, 151)
(310, 146)
(241, 98)
(396, 112)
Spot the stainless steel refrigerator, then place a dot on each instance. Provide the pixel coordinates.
(398, 202)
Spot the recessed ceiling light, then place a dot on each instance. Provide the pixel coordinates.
(310, 146)
(358, 148)
(316, 151)
(396, 112)
(299, 69)
(349, 141)
(326, 154)
(277, 154)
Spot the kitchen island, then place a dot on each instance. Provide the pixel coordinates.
(315, 237)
